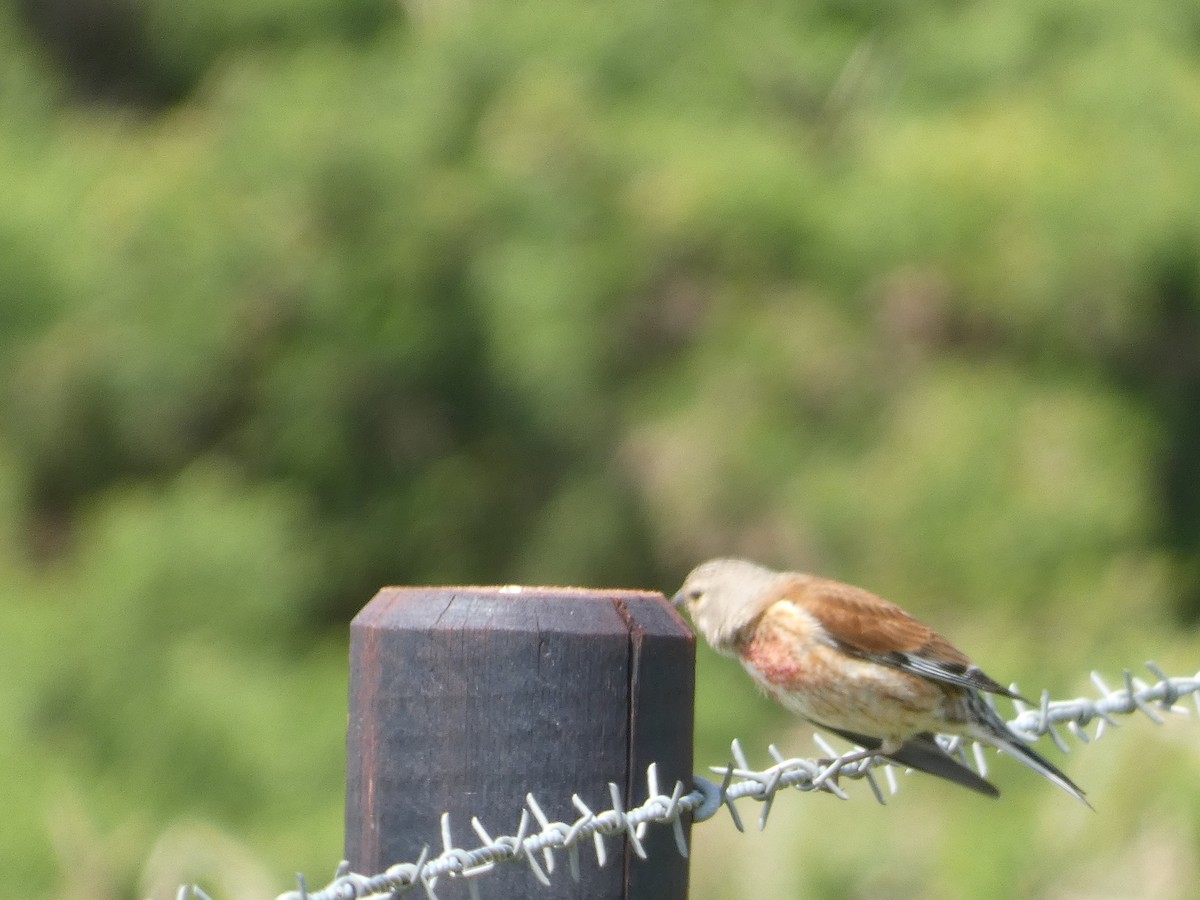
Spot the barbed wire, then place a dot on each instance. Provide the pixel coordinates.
(738, 781)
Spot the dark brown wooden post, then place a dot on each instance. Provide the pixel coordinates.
(465, 699)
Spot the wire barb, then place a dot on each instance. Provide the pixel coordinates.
(738, 781)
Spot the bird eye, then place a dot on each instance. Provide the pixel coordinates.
(695, 595)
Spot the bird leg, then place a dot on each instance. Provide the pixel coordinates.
(835, 766)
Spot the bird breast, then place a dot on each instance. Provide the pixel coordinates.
(792, 658)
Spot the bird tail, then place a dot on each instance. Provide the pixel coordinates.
(991, 729)
(922, 752)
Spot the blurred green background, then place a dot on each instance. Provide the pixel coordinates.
(298, 299)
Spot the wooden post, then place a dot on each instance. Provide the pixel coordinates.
(462, 700)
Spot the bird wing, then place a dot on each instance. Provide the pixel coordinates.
(869, 627)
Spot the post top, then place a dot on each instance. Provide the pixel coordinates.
(528, 590)
(540, 608)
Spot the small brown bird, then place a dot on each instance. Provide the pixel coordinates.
(855, 664)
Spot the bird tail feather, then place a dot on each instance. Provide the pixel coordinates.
(995, 731)
(922, 752)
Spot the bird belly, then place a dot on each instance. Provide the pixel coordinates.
(814, 679)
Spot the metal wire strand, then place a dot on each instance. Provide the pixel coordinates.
(738, 781)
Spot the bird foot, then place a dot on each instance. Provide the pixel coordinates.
(832, 770)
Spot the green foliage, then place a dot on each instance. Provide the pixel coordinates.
(306, 299)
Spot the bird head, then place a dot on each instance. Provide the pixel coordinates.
(723, 597)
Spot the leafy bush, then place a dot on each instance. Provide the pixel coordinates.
(298, 301)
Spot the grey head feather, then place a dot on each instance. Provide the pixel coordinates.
(723, 596)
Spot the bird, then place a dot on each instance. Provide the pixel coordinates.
(857, 665)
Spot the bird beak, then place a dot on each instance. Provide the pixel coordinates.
(679, 600)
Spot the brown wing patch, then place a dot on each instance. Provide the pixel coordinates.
(867, 624)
